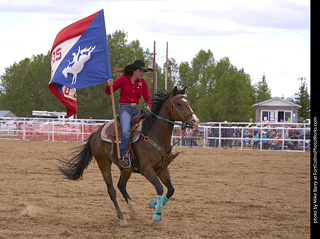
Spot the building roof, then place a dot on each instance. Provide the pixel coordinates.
(277, 101)
(6, 113)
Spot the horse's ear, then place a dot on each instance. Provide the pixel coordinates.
(175, 90)
(184, 90)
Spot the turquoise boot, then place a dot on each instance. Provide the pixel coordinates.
(159, 205)
(153, 202)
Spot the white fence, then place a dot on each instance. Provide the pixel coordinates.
(265, 136)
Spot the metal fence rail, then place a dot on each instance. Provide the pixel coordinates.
(244, 135)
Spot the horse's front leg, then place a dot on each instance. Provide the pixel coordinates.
(164, 176)
(151, 175)
(122, 185)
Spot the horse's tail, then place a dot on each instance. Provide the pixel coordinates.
(73, 169)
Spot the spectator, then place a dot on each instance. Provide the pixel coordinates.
(177, 134)
(237, 135)
(244, 137)
(224, 134)
(188, 137)
(91, 121)
(194, 134)
(250, 133)
(216, 135)
(230, 133)
(211, 134)
(264, 142)
(255, 140)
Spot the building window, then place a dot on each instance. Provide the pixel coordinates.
(276, 116)
(265, 116)
(271, 116)
(268, 115)
(287, 116)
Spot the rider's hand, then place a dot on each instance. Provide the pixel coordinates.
(110, 82)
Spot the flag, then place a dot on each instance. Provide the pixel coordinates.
(79, 58)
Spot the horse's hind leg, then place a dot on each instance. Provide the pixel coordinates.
(122, 185)
(105, 168)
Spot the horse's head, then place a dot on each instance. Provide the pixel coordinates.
(182, 109)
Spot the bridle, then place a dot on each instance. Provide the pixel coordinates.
(183, 117)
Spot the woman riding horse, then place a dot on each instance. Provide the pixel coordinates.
(132, 86)
(153, 151)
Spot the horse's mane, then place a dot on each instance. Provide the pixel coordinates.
(157, 102)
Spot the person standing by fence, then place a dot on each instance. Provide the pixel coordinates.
(264, 141)
(250, 132)
(255, 140)
(195, 133)
(188, 137)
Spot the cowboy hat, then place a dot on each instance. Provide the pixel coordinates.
(138, 64)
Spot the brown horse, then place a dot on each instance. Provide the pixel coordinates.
(152, 151)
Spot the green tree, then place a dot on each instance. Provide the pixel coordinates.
(173, 73)
(199, 79)
(233, 100)
(225, 93)
(262, 90)
(26, 87)
(303, 99)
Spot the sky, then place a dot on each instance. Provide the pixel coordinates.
(270, 37)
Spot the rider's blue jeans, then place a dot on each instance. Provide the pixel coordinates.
(125, 114)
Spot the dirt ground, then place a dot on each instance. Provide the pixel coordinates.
(218, 194)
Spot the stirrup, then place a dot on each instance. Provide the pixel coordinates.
(125, 162)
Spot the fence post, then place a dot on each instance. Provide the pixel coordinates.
(220, 135)
(24, 129)
(304, 137)
(261, 136)
(241, 140)
(82, 130)
(282, 146)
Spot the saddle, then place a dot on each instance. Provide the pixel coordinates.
(108, 133)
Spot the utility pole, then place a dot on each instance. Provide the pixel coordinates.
(154, 70)
(166, 76)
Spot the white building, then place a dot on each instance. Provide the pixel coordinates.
(276, 110)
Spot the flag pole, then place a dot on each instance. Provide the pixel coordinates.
(115, 121)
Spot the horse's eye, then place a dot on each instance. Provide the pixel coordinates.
(178, 104)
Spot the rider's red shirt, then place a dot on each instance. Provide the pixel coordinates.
(130, 93)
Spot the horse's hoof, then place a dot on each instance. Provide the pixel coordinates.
(157, 218)
(157, 223)
(153, 203)
(123, 223)
(133, 215)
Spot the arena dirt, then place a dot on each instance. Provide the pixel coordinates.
(218, 194)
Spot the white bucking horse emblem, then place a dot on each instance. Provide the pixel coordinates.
(77, 63)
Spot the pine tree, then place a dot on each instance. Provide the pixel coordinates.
(262, 90)
(303, 99)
